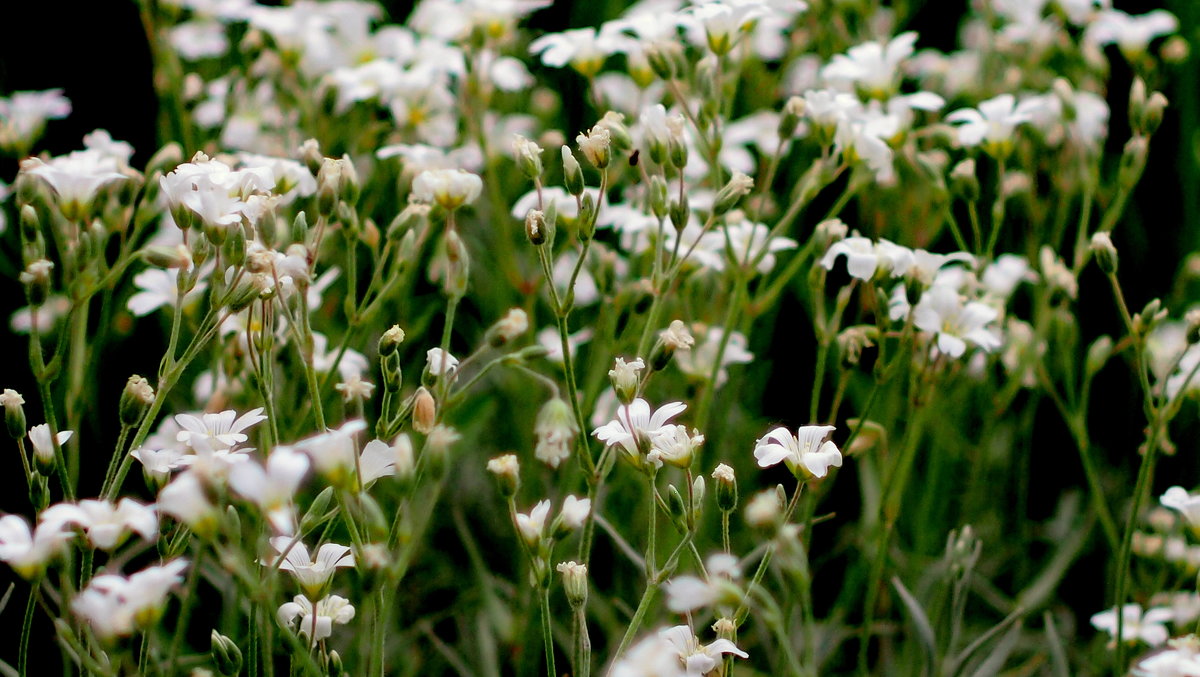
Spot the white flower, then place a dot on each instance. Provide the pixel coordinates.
(1149, 627)
(450, 188)
(634, 424)
(551, 340)
(378, 459)
(312, 574)
(75, 178)
(698, 659)
(316, 624)
(106, 524)
(1132, 33)
(1177, 498)
(942, 311)
(196, 40)
(1002, 276)
(575, 511)
(440, 363)
(273, 487)
(1182, 659)
(555, 428)
(994, 122)
(531, 526)
(29, 551)
(675, 445)
(625, 376)
(583, 48)
(355, 388)
(808, 450)
(872, 66)
(43, 446)
(158, 464)
(220, 431)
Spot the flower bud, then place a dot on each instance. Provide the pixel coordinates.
(513, 324)
(596, 146)
(1133, 161)
(1098, 354)
(424, 412)
(789, 119)
(1152, 113)
(135, 400)
(680, 213)
(528, 156)
(318, 511)
(299, 232)
(675, 337)
(1105, 252)
(30, 224)
(658, 196)
(535, 227)
(625, 378)
(726, 488)
(764, 510)
(507, 472)
(731, 193)
(572, 172)
(226, 655)
(14, 413)
(676, 508)
(437, 449)
(660, 60)
(575, 583)
(336, 668)
(587, 217)
(36, 278)
(311, 156)
(391, 340)
(963, 180)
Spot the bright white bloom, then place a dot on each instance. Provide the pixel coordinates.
(942, 311)
(635, 425)
(873, 67)
(532, 525)
(75, 178)
(1182, 659)
(864, 257)
(220, 431)
(450, 188)
(1149, 627)
(1002, 276)
(312, 574)
(575, 511)
(625, 376)
(106, 524)
(555, 428)
(582, 48)
(272, 487)
(808, 451)
(29, 551)
(1132, 33)
(1177, 498)
(114, 606)
(673, 652)
(674, 445)
(550, 339)
(157, 464)
(378, 459)
(196, 40)
(43, 446)
(994, 122)
(315, 624)
(440, 363)
(355, 388)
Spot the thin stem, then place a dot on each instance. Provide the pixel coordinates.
(547, 633)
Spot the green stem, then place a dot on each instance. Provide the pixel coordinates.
(547, 634)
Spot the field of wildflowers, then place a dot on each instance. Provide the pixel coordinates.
(697, 338)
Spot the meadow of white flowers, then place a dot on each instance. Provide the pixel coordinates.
(454, 341)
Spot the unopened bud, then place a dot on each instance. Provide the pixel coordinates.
(424, 411)
(226, 655)
(317, 511)
(14, 413)
(535, 227)
(528, 156)
(1105, 252)
(625, 377)
(391, 340)
(726, 488)
(513, 324)
(1152, 113)
(299, 232)
(1133, 161)
(311, 156)
(135, 400)
(676, 508)
(789, 119)
(596, 146)
(680, 213)
(572, 172)
(963, 180)
(659, 204)
(36, 278)
(507, 472)
(1098, 354)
